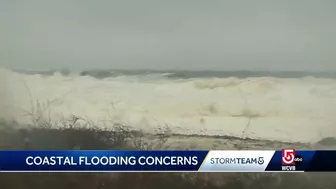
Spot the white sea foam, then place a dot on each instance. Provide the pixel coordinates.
(283, 109)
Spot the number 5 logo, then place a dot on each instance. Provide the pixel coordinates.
(288, 156)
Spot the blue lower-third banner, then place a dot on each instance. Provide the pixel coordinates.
(168, 161)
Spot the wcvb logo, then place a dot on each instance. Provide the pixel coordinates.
(288, 156)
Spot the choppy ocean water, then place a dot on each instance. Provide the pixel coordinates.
(185, 74)
(287, 106)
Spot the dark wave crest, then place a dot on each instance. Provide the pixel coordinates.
(185, 74)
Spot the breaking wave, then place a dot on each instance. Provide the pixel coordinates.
(212, 103)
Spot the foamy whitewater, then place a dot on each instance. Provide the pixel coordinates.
(297, 109)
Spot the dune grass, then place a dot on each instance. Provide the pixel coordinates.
(69, 136)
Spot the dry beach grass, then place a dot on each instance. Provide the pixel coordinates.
(69, 136)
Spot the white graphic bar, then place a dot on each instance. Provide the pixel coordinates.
(237, 161)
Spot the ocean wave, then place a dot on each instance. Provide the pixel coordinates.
(183, 74)
(268, 107)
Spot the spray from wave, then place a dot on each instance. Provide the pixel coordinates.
(280, 108)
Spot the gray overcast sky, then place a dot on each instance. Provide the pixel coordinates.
(171, 34)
